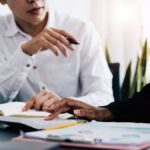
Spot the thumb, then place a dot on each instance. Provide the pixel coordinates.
(89, 114)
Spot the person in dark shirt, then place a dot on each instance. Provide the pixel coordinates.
(135, 109)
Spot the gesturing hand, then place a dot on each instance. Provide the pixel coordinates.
(53, 39)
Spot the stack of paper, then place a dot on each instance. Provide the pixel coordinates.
(11, 113)
(35, 123)
(101, 134)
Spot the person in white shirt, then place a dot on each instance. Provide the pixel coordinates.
(37, 62)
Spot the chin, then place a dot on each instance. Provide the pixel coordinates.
(38, 19)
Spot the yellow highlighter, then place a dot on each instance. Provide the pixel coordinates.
(64, 126)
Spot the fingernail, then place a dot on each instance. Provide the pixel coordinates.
(72, 48)
(24, 109)
(57, 54)
(77, 112)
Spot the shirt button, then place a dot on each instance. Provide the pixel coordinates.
(35, 67)
(28, 65)
(43, 88)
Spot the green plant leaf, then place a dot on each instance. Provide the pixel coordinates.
(133, 88)
(107, 54)
(142, 68)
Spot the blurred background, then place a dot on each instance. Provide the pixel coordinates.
(123, 25)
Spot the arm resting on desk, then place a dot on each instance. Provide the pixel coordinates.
(135, 109)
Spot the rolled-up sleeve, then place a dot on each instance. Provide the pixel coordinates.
(13, 74)
(135, 109)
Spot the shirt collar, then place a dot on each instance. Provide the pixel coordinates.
(51, 20)
(13, 29)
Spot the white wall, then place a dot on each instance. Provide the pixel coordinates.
(78, 8)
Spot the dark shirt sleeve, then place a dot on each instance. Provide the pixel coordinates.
(135, 109)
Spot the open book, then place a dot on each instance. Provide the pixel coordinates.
(14, 109)
(11, 113)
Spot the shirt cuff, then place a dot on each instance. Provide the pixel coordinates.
(21, 61)
(115, 110)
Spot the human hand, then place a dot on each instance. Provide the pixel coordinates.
(42, 99)
(53, 39)
(80, 109)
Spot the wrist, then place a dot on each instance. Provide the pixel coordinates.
(25, 48)
(108, 115)
(104, 114)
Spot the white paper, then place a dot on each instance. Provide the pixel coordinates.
(37, 123)
(108, 133)
(11, 108)
(15, 109)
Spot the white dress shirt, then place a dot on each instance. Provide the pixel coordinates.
(84, 75)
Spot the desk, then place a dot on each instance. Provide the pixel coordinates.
(7, 133)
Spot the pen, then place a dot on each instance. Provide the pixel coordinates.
(64, 126)
(71, 41)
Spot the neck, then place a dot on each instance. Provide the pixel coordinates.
(32, 29)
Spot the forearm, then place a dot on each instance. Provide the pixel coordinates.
(135, 109)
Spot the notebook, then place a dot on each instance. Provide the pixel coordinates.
(14, 109)
(11, 113)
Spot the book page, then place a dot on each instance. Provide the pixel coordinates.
(15, 109)
(11, 108)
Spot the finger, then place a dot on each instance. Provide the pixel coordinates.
(58, 105)
(49, 102)
(57, 35)
(66, 34)
(57, 43)
(79, 104)
(90, 114)
(38, 97)
(29, 104)
(41, 93)
(46, 109)
(52, 47)
(53, 94)
(56, 113)
(48, 45)
(40, 101)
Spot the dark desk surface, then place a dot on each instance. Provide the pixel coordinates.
(8, 133)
